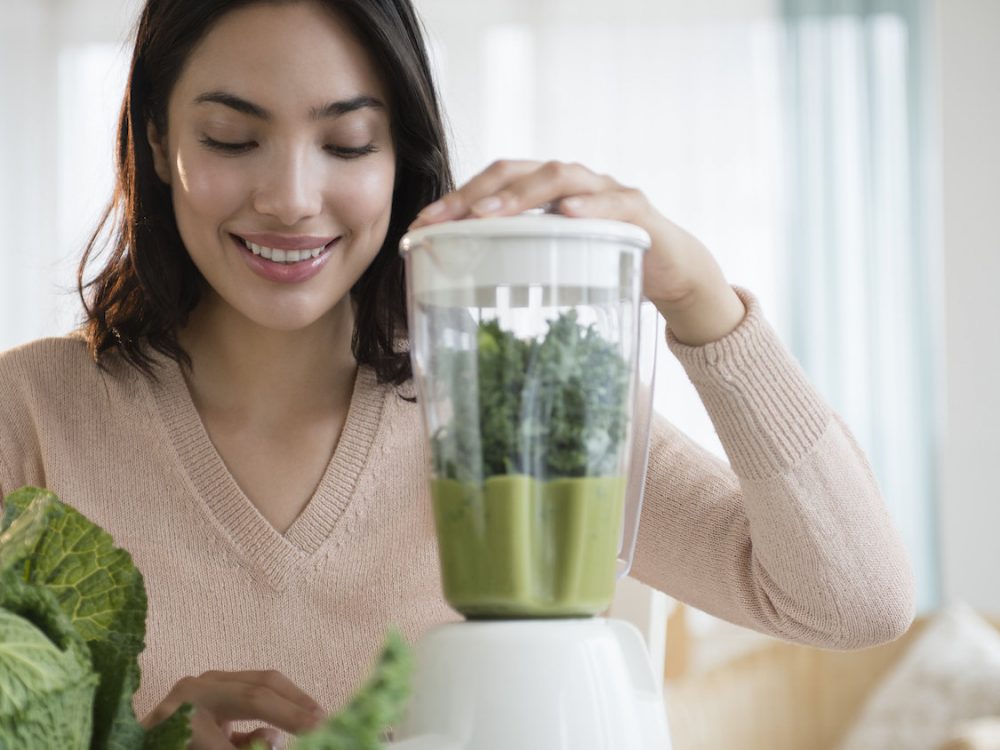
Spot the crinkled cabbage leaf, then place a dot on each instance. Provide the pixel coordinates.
(72, 623)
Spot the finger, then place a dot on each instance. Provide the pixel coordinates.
(624, 204)
(179, 694)
(233, 700)
(456, 204)
(275, 680)
(206, 734)
(228, 698)
(548, 184)
(267, 695)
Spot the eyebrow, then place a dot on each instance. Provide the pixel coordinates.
(333, 109)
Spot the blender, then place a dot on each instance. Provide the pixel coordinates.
(525, 343)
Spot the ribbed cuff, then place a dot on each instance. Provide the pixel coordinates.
(764, 409)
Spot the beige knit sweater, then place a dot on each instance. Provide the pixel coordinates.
(793, 540)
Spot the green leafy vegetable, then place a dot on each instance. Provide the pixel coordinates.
(550, 408)
(170, 734)
(378, 705)
(46, 683)
(72, 624)
(102, 593)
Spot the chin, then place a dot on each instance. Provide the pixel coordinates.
(291, 318)
(287, 323)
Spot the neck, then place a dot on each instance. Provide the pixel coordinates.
(243, 370)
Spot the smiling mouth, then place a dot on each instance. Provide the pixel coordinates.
(284, 257)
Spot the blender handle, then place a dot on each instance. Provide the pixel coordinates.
(650, 325)
(633, 649)
(647, 695)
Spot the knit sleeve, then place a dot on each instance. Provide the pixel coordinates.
(792, 538)
(20, 457)
(6, 481)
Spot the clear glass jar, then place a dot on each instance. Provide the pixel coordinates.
(524, 335)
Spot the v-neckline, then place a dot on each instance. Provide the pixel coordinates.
(272, 555)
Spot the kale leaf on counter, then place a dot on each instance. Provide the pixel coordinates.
(554, 407)
(375, 707)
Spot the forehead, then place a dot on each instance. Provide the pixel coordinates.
(297, 54)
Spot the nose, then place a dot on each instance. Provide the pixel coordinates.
(290, 188)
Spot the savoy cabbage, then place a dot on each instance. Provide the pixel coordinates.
(72, 623)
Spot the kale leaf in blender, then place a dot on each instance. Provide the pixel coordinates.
(548, 408)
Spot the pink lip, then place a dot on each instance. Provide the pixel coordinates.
(286, 242)
(285, 273)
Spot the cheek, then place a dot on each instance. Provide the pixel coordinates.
(205, 187)
(366, 197)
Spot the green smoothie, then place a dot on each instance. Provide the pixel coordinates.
(520, 547)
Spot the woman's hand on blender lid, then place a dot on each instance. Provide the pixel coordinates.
(680, 276)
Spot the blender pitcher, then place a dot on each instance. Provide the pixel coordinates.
(525, 337)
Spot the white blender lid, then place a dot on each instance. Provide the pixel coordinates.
(531, 225)
(456, 263)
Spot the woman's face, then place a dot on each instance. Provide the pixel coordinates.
(279, 156)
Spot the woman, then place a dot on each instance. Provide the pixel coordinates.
(235, 409)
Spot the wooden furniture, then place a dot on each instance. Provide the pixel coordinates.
(777, 697)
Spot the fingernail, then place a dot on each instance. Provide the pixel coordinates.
(573, 204)
(487, 205)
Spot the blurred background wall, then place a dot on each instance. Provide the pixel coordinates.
(968, 116)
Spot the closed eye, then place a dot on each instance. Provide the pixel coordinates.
(352, 152)
(344, 152)
(226, 147)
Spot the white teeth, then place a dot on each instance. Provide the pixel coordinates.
(283, 256)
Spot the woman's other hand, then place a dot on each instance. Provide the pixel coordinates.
(680, 276)
(220, 698)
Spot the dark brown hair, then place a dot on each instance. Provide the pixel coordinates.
(148, 285)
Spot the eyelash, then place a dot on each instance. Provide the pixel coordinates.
(233, 149)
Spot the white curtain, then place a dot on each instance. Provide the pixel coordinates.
(62, 72)
(862, 290)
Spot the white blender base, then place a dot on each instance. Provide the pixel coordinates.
(574, 684)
